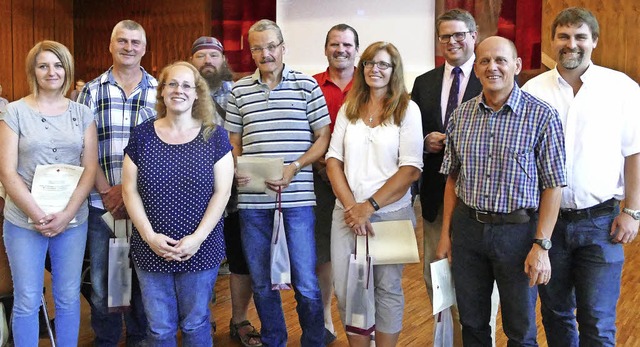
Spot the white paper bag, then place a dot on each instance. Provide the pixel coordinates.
(119, 275)
(360, 312)
(443, 333)
(280, 262)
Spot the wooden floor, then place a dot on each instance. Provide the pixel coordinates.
(418, 321)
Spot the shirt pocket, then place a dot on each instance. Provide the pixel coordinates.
(523, 160)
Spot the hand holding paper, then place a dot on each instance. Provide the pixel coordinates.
(258, 170)
(444, 294)
(393, 242)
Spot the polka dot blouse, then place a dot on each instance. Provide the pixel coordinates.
(176, 183)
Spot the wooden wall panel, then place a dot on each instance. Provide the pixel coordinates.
(63, 23)
(617, 46)
(43, 20)
(6, 47)
(25, 22)
(22, 37)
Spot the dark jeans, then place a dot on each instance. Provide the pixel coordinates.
(108, 326)
(482, 253)
(586, 273)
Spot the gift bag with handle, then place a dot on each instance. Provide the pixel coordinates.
(119, 276)
(280, 262)
(360, 310)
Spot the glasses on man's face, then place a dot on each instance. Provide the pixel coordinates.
(270, 48)
(382, 65)
(185, 86)
(456, 37)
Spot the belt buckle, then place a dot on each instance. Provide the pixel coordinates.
(481, 213)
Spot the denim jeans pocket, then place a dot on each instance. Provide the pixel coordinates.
(603, 222)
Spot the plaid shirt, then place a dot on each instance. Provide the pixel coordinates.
(505, 157)
(115, 116)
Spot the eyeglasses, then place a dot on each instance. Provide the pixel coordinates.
(270, 48)
(456, 36)
(174, 85)
(382, 65)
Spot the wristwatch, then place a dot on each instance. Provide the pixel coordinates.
(633, 213)
(297, 165)
(544, 243)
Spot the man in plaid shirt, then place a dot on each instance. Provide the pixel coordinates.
(116, 98)
(505, 159)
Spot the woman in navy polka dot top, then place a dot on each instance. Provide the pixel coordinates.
(177, 177)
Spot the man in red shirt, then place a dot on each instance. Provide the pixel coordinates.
(340, 47)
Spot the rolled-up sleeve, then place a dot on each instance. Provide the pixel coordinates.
(411, 145)
(336, 146)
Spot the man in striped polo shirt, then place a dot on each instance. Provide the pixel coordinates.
(278, 112)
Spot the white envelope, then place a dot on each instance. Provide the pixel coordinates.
(394, 243)
(444, 294)
(259, 169)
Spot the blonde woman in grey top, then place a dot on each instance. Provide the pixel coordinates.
(46, 128)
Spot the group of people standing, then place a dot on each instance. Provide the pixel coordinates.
(508, 187)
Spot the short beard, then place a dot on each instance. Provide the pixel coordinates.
(215, 79)
(571, 63)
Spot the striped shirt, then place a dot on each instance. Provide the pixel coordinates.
(505, 157)
(115, 116)
(278, 123)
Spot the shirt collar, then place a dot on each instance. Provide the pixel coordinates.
(513, 101)
(325, 78)
(146, 81)
(588, 74)
(466, 67)
(285, 74)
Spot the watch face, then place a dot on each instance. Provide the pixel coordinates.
(544, 243)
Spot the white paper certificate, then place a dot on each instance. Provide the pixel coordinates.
(444, 294)
(53, 186)
(259, 169)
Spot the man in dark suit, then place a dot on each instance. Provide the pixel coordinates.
(437, 93)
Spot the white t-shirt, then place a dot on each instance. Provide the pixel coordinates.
(372, 155)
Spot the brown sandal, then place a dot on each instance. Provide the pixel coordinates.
(234, 331)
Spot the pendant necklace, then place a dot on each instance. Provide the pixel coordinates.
(39, 112)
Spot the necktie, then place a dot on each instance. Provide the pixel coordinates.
(452, 102)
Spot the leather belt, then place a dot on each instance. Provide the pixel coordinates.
(599, 210)
(520, 216)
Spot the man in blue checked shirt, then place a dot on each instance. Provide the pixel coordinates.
(504, 159)
(121, 98)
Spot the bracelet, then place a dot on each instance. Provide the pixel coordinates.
(373, 203)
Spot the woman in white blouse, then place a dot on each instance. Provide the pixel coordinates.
(374, 156)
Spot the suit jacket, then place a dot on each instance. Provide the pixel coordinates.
(426, 93)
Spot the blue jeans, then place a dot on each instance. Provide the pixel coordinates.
(173, 300)
(586, 272)
(256, 227)
(26, 250)
(482, 253)
(108, 326)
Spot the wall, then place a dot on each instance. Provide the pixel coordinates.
(22, 24)
(619, 22)
(409, 25)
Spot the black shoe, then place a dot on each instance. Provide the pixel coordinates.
(329, 337)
